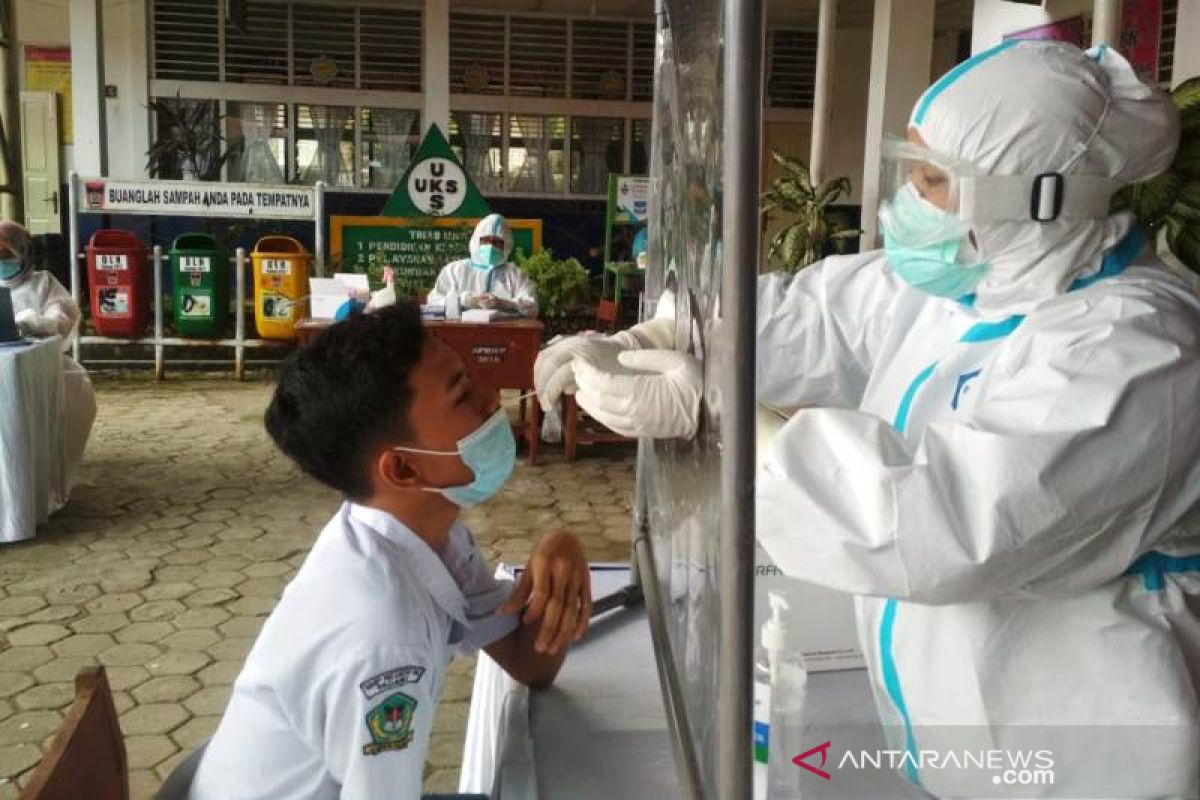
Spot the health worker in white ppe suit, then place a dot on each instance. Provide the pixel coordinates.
(487, 279)
(999, 445)
(42, 308)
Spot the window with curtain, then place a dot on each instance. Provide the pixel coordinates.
(325, 144)
(390, 136)
(477, 142)
(597, 148)
(536, 154)
(257, 134)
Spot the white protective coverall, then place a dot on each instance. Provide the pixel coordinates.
(480, 285)
(1010, 482)
(43, 307)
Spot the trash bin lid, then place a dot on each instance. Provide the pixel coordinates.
(280, 245)
(115, 238)
(195, 241)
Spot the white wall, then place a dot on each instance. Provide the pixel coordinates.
(45, 22)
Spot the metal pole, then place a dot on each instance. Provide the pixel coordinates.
(319, 224)
(668, 677)
(240, 328)
(158, 314)
(823, 89)
(742, 104)
(1106, 22)
(73, 241)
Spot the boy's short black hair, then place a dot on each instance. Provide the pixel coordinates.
(345, 393)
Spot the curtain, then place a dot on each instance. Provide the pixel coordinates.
(477, 130)
(533, 175)
(328, 164)
(257, 162)
(595, 135)
(390, 130)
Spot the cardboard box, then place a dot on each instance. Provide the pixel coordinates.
(826, 620)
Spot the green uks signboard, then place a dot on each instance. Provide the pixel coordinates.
(436, 185)
(426, 223)
(415, 248)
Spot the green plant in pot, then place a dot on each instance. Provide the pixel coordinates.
(812, 223)
(189, 143)
(563, 286)
(1171, 202)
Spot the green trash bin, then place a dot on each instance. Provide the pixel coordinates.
(200, 287)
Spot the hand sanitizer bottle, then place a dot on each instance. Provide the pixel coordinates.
(452, 309)
(788, 680)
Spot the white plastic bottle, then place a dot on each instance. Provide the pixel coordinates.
(762, 719)
(452, 308)
(788, 680)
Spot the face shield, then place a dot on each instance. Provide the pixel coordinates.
(921, 191)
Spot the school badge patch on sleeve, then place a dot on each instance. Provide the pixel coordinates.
(390, 724)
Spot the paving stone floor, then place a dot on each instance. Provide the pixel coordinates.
(184, 530)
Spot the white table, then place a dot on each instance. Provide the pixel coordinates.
(600, 732)
(33, 480)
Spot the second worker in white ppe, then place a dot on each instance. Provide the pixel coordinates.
(999, 452)
(487, 279)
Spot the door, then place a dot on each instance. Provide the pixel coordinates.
(39, 161)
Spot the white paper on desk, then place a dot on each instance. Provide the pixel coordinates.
(481, 315)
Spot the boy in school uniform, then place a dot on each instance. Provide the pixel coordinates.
(337, 696)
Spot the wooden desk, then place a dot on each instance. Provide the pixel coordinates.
(498, 354)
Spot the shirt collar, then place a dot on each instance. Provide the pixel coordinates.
(424, 564)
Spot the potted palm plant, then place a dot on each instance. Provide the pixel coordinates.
(189, 143)
(813, 224)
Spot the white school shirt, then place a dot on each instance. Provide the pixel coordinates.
(337, 696)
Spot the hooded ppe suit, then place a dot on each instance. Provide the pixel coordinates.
(474, 278)
(1010, 480)
(42, 307)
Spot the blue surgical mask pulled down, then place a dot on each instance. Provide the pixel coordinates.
(10, 268)
(491, 453)
(489, 257)
(923, 245)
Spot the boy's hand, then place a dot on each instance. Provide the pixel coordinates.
(556, 588)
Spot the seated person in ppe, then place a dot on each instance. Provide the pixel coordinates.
(337, 696)
(43, 308)
(487, 279)
(1000, 447)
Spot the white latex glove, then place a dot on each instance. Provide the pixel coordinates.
(30, 323)
(651, 393)
(492, 301)
(552, 373)
(468, 300)
(553, 376)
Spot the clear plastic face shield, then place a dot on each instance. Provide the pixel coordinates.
(921, 192)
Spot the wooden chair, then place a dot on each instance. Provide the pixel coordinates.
(578, 428)
(87, 756)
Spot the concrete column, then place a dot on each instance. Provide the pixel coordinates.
(823, 89)
(435, 76)
(136, 89)
(901, 48)
(1106, 22)
(87, 87)
(1187, 33)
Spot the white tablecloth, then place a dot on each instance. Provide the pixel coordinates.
(33, 479)
(600, 732)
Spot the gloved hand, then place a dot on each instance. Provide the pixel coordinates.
(499, 303)
(552, 374)
(652, 393)
(468, 300)
(31, 323)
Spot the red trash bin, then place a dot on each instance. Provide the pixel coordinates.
(120, 284)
